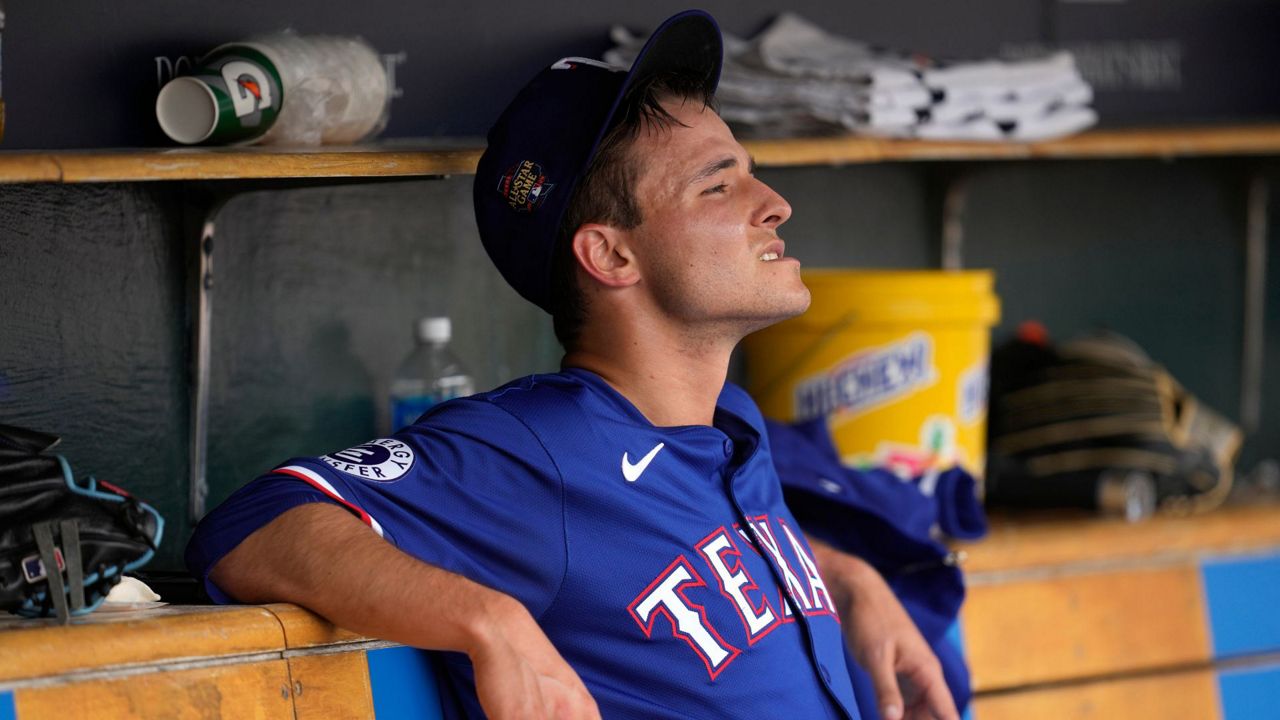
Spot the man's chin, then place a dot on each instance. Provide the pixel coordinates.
(804, 304)
(792, 309)
(797, 306)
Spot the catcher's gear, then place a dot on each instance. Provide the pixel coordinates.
(1066, 421)
(63, 545)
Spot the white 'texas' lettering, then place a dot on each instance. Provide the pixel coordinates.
(821, 596)
(735, 583)
(665, 596)
(794, 588)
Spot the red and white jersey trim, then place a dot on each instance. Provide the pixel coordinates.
(317, 481)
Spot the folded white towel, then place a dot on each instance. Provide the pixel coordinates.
(1050, 69)
(1059, 123)
(795, 77)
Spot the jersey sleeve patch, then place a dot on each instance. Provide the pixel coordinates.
(381, 460)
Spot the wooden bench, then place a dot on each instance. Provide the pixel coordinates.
(269, 661)
(1067, 618)
(1093, 618)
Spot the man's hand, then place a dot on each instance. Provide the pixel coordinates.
(320, 556)
(885, 642)
(520, 675)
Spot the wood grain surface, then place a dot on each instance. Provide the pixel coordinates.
(1084, 626)
(1191, 695)
(1128, 143)
(331, 686)
(303, 628)
(425, 158)
(1039, 543)
(39, 648)
(252, 691)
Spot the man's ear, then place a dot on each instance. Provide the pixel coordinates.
(602, 251)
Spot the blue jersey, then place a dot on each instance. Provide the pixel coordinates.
(660, 561)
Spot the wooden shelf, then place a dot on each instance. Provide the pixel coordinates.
(393, 159)
(458, 157)
(1130, 143)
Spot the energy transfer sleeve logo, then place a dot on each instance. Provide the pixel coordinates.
(381, 460)
(868, 379)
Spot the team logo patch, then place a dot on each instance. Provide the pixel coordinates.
(525, 186)
(381, 460)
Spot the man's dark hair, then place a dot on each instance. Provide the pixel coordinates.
(605, 193)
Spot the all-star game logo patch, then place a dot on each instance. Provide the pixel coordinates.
(524, 186)
(381, 460)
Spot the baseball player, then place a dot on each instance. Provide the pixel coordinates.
(609, 540)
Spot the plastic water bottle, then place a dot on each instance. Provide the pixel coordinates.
(431, 374)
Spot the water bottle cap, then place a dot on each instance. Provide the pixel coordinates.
(435, 329)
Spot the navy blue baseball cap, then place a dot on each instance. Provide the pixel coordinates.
(543, 144)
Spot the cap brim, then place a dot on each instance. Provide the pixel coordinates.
(687, 44)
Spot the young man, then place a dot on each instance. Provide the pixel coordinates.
(609, 540)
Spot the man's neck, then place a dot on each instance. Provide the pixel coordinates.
(671, 382)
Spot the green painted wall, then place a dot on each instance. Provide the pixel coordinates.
(91, 332)
(316, 291)
(315, 295)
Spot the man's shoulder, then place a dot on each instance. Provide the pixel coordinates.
(453, 439)
(529, 400)
(544, 390)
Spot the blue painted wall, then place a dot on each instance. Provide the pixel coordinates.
(1250, 694)
(403, 684)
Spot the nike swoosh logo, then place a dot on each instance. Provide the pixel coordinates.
(633, 472)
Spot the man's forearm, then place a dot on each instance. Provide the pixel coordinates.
(321, 557)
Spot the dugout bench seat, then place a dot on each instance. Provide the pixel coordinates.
(1073, 617)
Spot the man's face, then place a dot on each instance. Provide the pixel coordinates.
(708, 244)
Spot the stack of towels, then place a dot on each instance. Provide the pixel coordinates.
(795, 79)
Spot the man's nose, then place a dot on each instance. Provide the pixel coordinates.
(774, 209)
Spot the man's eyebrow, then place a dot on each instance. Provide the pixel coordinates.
(712, 168)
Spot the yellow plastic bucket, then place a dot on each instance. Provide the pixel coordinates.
(896, 361)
